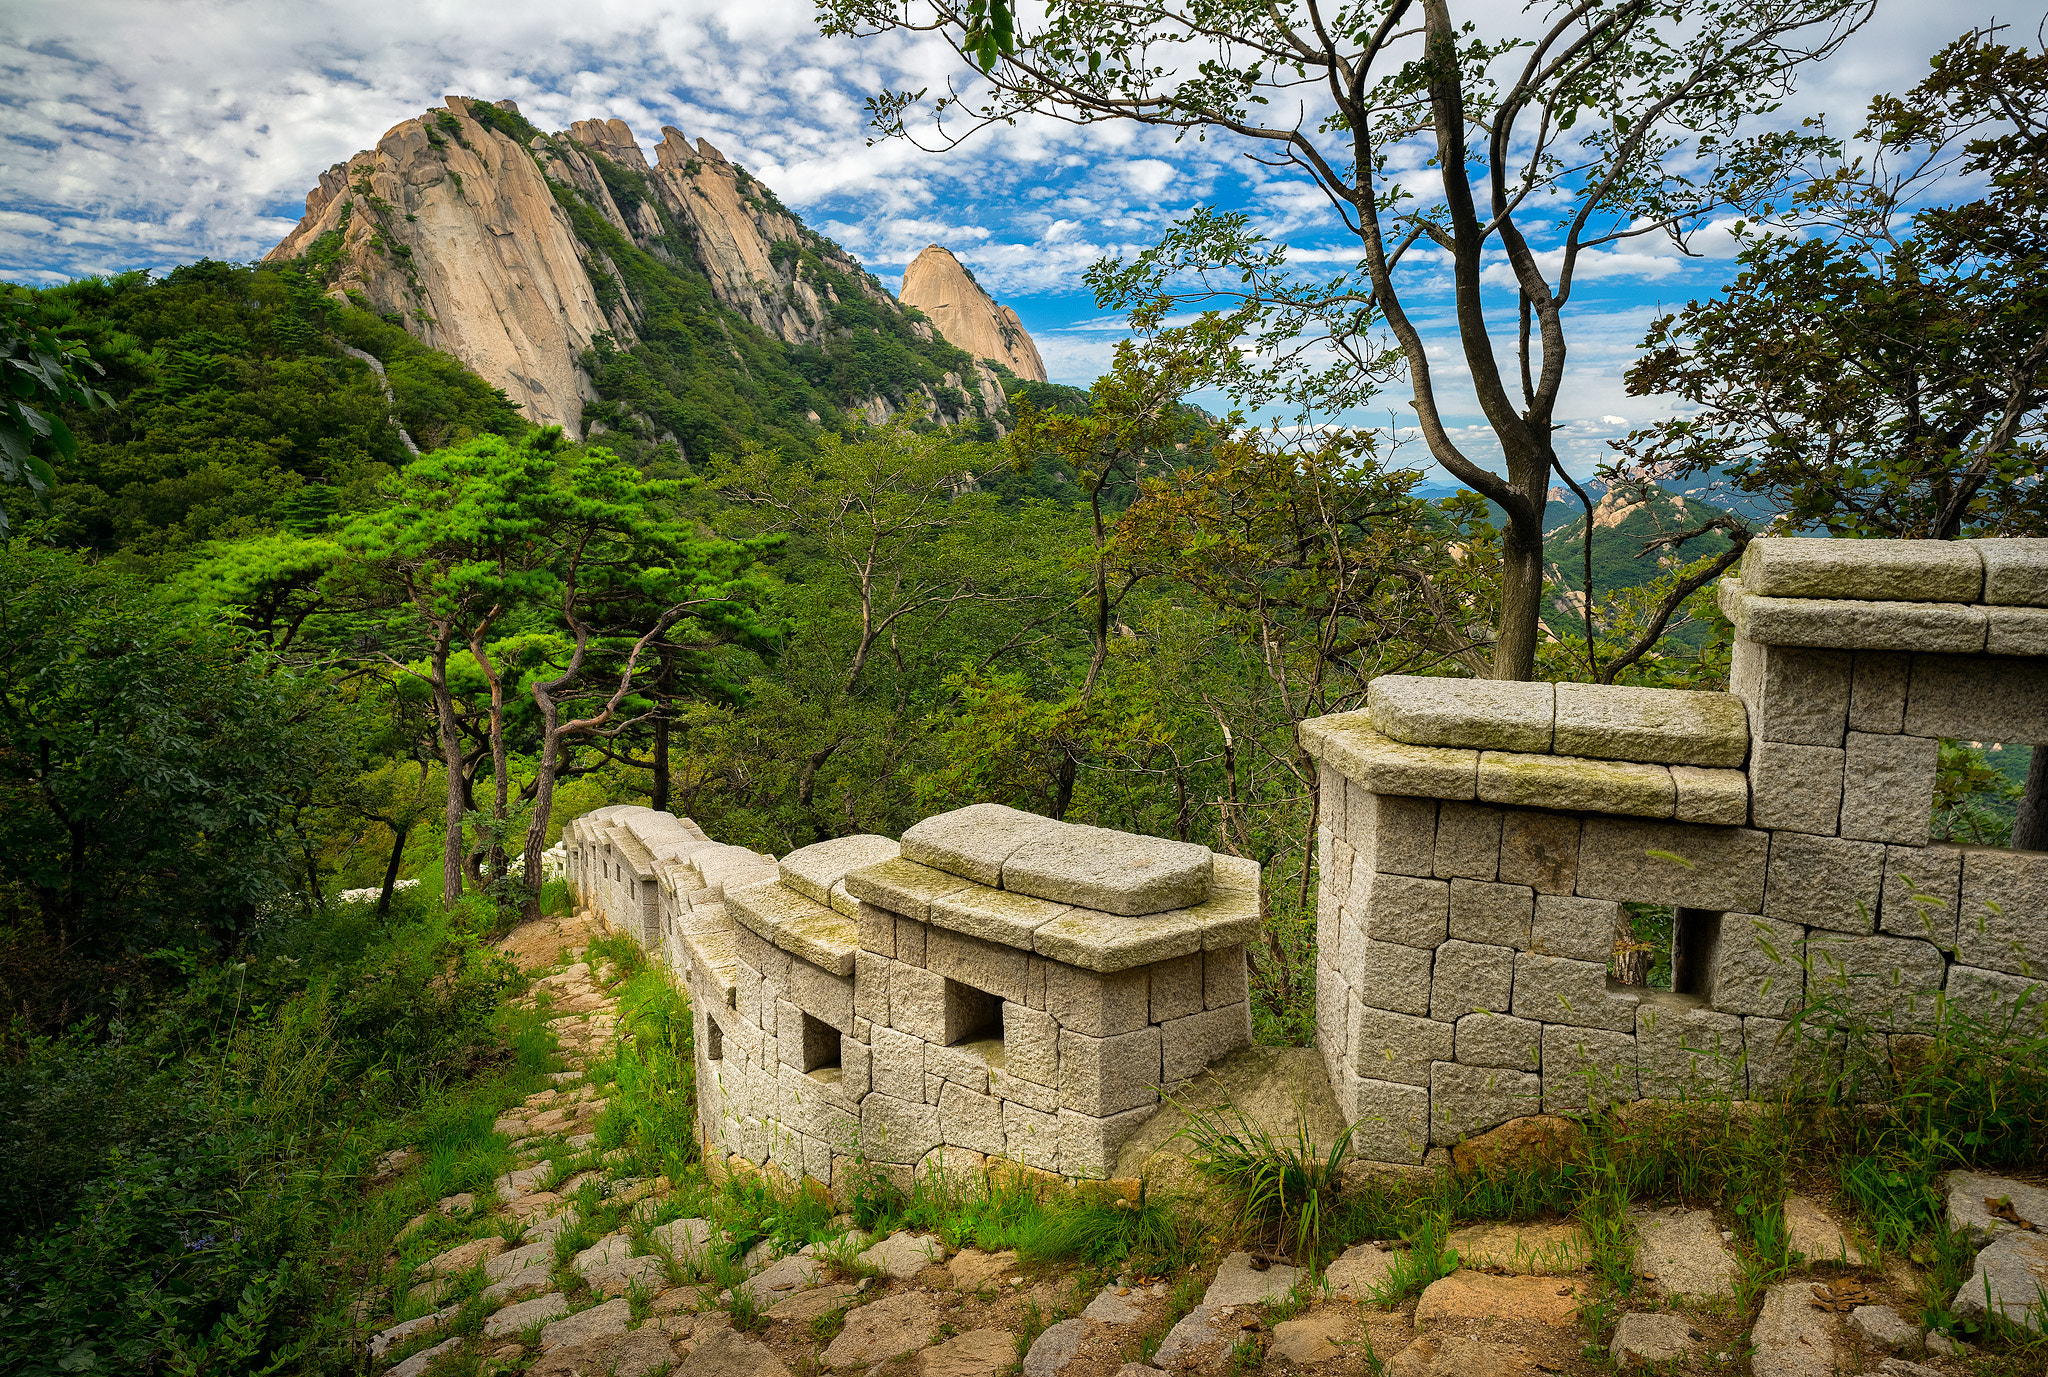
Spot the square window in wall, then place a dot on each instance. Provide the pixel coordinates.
(1978, 787)
(1664, 948)
(821, 1045)
(972, 1015)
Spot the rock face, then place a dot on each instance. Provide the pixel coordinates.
(471, 228)
(938, 284)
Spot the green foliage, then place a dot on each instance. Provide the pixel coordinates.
(233, 410)
(1288, 1186)
(150, 769)
(1975, 801)
(42, 372)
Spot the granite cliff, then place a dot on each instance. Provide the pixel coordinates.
(939, 285)
(676, 299)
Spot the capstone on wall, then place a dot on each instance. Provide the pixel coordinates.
(997, 985)
(1478, 839)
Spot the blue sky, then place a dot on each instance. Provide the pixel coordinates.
(145, 133)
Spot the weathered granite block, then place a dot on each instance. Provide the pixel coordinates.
(1681, 864)
(1392, 1119)
(876, 928)
(1110, 872)
(972, 842)
(1661, 726)
(1223, 977)
(1554, 989)
(1098, 1005)
(1398, 1047)
(1490, 714)
(1978, 697)
(1030, 1045)
(1796, 788)
(2016, 631)
(1951, 628)
(2002, 1004)
(1540, 850)
(1031, 1137)
(1177, 988)
(1720, 797)
(2015, 570)
(1387, 767)
(1824, 882)
(1186, 1045)
(986, 966)
(893, 1130)
(2004, 920)
(969, 1120)
(1469, 977)
(964, 1063)
(1467, 841)
(1782, 1057)
(1921, 884)
(1102, 941)
(1585, 1068)
(1492, 913)
(1684, 1051)
(1582, 929)
(1331, 802)
(822, 994)
(1755, 967)
(1102, 1076)
(1794, 695)
(1401, 908)
(1877, 692)
(1489, 1039)
(910, 942)
(1089, 1145)
(1888, 788)
(995, 915)
(1884, 984)
(896, 1065)
(1395, 836)
(1004, 1086)
(1869, 570)
(812, 870)
(917, 1003)
(1576, 784)
(1388, 975)
(1464, 1100)
(903, 886)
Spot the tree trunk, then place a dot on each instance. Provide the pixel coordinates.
(398, 836)
(1521, 600)
(660, 800)
(2030, 828)
(451, 759)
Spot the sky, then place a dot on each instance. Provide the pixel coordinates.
(146, 133)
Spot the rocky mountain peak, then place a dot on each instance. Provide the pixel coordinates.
(940, 285)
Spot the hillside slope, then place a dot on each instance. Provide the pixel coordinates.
(940, 285)
(677, 298)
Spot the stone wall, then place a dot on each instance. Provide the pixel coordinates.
(998, 985)
(1478, 839)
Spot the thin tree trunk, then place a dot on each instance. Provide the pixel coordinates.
(398, 836)
(660, 801)
(2030, 828)
(451, 759)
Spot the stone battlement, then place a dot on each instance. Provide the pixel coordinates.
(1478, 840)
(996, 985)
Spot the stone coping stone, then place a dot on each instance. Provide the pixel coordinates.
(1109, 942)
(1111, 872)
(800, 926)
(972, 842)
(2015, 570)
(995, 915)
(1660, 726)
(1828, 624)
(1485, 714)
(1863, 570)
(812, 870)
(903, 886)
(1575, 784)
(1379, 764)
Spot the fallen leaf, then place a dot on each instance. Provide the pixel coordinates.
(2001, 1208)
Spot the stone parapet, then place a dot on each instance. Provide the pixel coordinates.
(997, 985)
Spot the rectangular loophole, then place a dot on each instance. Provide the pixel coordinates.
(1664, 948)
(972, 1015)
(821, 1045)
(714, 1041)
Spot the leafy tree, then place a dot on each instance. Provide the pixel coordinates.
(1877, 367)
(43, 373)
(149, 764)
(1557, 148)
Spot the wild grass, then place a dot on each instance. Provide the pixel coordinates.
(1287, 1185)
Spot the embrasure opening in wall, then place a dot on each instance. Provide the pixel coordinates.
(821, 1045)
(1977, 790)
(1659, 947)
(972, 1015)
(714, 1041)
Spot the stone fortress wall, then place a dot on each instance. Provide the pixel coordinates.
(996, 985)
(1478, 839)
(999, 985)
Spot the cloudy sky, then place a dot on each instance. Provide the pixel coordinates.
(145, 133)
